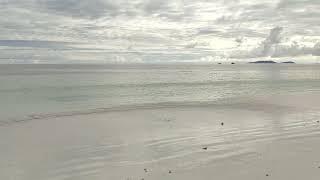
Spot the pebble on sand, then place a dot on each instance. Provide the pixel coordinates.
(267, 174)
(205, 148)
(145, 170)
(222, 124)
(170, 171)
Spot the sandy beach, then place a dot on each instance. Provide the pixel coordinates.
(274, 137)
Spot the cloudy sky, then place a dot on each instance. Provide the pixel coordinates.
(124, 31)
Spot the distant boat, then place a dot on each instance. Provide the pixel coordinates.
(263, 62)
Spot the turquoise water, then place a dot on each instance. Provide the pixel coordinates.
(30, 90)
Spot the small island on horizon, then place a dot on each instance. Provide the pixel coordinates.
(271, 62)
(288, 62)
(263, 62)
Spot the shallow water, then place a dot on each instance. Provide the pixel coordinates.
(28, 91)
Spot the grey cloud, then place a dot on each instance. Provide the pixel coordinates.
(82, 8)
(72, 8)
(316, 49)
(271, 47)
(296, 49)
(172, 10)
(296, 3)
(266, 47)
(154, 6)
(34, 44)
(208, 31)
(239, 41)
(273, 39)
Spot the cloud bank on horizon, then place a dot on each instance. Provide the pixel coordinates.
(122, 31)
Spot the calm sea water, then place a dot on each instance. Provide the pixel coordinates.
(27, 91)
(265, 110)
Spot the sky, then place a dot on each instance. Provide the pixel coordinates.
(156, 31)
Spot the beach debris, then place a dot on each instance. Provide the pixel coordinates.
(205, 148)
(318, 121)
(222, 124)
(267, 175)
(170, 171)
(145, 170)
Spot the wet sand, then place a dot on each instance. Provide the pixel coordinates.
(272, 137)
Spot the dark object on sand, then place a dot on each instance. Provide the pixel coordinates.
(219, 63)
(222, 124)
(288, 62)
(318, 121)
(205, 148)
(170, 172)
(267, 175)
(263, 62)
(233, 63)
(145, 170)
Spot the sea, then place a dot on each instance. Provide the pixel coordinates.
(44, 90)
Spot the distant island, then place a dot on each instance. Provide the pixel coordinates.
(289, 62)
(271, 62)
(263, 62)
